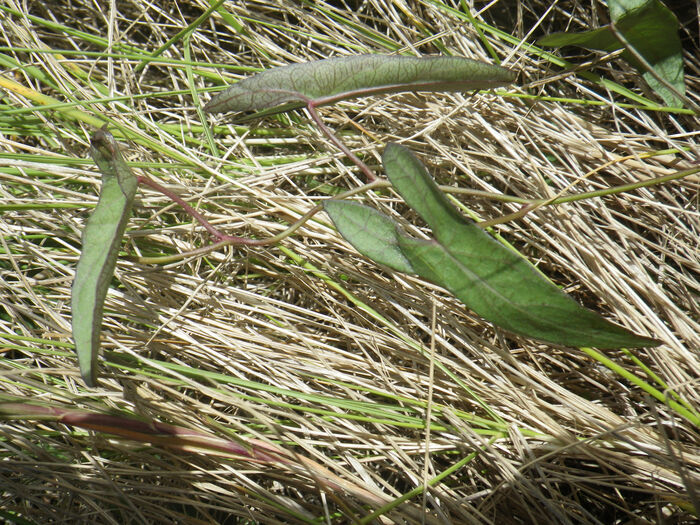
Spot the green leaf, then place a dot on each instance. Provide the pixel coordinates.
(330, 80)
(489, 278)
(413, 182)
(602, 39)
(372, 233)
(101, 240)
(511, 294)
(651, 29)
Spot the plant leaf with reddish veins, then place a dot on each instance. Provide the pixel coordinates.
(333, 79)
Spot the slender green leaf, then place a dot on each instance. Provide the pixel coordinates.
(372, 233)
(185, 30)
(413, 182)
(651, 29)
(334, 79)
(601, 38)
(486, 276)
(511, 294)
(101, 240)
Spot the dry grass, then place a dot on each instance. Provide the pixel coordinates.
(314, 347)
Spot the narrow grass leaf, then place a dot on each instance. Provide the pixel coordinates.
(372, 233)
(100, 246)
(492, 280)
(651, 29)
(330, 80)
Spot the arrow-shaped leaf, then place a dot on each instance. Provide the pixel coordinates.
(508, 292)
(330, 80)
(491, 279)
(486, 276)
(101, 240)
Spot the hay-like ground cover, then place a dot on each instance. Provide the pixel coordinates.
(307, 345)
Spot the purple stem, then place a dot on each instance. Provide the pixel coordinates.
(222, 238)
(311, 107)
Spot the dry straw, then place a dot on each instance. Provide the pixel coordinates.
(308, 346)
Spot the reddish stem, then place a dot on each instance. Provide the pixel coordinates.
(369, 175)
(229, 239)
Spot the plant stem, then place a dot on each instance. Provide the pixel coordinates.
(369, 174)
(232, 240)
(191, 211)
(529, 205)
(311, 105)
